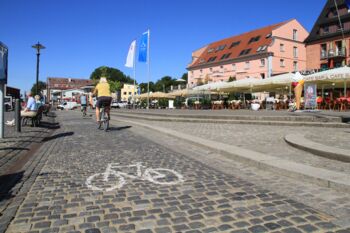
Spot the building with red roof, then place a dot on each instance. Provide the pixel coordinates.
(260, 54)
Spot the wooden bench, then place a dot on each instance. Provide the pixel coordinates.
(35, 119)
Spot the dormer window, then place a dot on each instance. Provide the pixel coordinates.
(245, 52)
(268, 35)
(225, 56)
(210, 50)
(211, 59)
(234, 44)
(221, 47)
(254, 39)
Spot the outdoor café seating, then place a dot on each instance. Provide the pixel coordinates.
(218, 104)
(234, 104)
(197, 105)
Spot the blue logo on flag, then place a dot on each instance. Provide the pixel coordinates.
(143, 47)
(347, 3)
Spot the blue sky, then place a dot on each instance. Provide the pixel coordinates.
(81, 35)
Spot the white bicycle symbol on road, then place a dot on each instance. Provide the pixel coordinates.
(116, 179)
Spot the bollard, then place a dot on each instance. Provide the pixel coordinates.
(18, 115)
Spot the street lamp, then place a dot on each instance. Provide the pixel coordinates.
(37, 46)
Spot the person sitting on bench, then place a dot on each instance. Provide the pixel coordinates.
(31, 108)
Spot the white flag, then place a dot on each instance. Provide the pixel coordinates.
(131, 55)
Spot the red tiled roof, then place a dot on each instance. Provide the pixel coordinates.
(67, 83)
(236, 50)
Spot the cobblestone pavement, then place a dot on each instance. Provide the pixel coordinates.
(206, 201)
(267, 139)
(15, 143)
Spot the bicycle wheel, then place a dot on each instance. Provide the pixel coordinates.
(105, 181)
(105, 121)
(102, 110)
(163, 176)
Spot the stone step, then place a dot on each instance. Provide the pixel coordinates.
(281, 122)
(299, 141)
(246, 115)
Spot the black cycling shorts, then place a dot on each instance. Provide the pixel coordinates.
(104, 100)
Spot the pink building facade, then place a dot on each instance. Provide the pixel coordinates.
(260, 54)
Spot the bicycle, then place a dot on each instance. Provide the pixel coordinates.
(116, 179)
(104, 119)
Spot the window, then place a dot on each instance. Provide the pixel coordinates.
(219, 48)
(263, 48)
(281, 62)
(211, 59)
(124, 93)
(268, 35)
(282, 47)
(262, 75)
(234, 44)
(295, 34)
(325, 29)
(295, 66)
(247, 65)
(201, 70)
(262, 62)
(211, 69)
(295, 52)
(245, 52)
(225, 56)
(129, 93)
(210, 50)
(254, 39)
(233, 66)
(258, 50)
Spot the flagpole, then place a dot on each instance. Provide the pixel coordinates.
(134, 76)
(148, 61)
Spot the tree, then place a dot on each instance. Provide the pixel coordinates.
(143, 87)
(115, 86)
(112, 74)
(185, 77)
(164, 84)
(41, 86)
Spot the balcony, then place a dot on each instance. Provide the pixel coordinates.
(341, 52)
(332, 53)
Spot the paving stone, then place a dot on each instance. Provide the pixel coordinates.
(209, 200)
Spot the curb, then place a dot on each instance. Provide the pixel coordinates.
(289, 117)
(320, 176)
(228, 121)
(299, 141)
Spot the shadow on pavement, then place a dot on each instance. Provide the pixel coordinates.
(13, 148)
(7, 182)
(60, 135)
(49, 125)
(118, 128)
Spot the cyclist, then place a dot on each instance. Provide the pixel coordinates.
(103, 93)
(83, 102)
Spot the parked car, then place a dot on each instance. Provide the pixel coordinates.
(68, 105)
(120, 104)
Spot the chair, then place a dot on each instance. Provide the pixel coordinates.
(319, 102)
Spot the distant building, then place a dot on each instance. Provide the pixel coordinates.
(127, 92)
(328, 44)
(257, 54)
(56, 87)
(14, 92)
